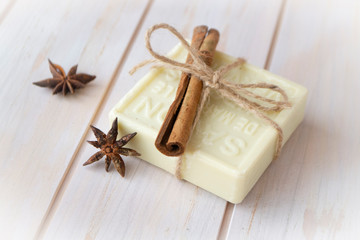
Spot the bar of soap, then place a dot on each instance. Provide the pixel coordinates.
(230, 148)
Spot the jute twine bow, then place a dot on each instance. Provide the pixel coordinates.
(211, 79)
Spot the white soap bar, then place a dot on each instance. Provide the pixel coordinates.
(230, 148)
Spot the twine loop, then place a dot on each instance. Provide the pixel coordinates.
(236, 92)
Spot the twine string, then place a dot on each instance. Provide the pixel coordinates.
(236, 92)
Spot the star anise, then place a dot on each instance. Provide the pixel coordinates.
(62, 82)
(111, 148)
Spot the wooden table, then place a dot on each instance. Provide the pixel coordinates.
(311, 192)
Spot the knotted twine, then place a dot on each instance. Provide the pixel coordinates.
(211, 79)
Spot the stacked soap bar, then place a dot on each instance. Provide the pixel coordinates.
(230, 148)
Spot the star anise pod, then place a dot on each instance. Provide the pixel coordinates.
(62, 82)
(111, 148)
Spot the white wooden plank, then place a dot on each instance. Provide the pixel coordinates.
(312, 191)
(150, 203)
(40, 132)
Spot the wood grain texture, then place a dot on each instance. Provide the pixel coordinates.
(150, 203)
(312, 191)
(5, 8)
(41, 132)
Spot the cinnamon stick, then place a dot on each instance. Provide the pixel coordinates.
(173, 140)
(199, 34)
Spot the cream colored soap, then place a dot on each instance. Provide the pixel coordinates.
(230, 148)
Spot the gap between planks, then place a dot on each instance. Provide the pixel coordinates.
(275, 36)
(230, 208)
(6, 10)
(65, 180)
(226, 221)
